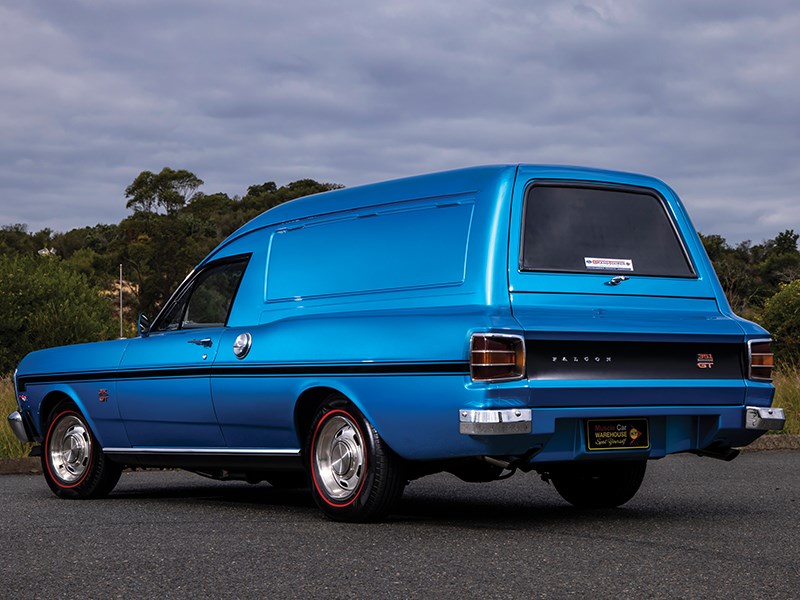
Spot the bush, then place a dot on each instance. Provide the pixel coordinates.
(44, 302)
(787, 396)
(10, 446)
(781, 317)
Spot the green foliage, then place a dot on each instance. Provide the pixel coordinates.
(781, 317)
(749, 273)
(168, 189)
(787, 396)
(157, 252)
(45, 302)
(53, 300)
(10, 446)
(15, 239)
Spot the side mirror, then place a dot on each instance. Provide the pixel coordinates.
(143, 325)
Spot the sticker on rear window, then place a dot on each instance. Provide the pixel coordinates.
(609, 264)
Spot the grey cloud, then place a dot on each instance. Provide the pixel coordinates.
(700, 94)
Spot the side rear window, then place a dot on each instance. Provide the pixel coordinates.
(591, 229)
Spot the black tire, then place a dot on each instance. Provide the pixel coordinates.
(354, 476)
(73, 463)
(599, 484)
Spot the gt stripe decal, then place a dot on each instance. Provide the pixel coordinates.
(432, 368)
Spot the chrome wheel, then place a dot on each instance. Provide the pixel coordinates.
(340, 457)
(70, 449)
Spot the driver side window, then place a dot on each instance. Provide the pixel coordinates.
(208, 299)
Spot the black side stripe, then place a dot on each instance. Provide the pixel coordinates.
(432, 368)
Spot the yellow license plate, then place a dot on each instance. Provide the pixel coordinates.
(617, 434)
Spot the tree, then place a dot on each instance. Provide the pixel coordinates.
(267, 187)
(267, 195)
(142, 194)
(43, 303)
(15, 239)
(168, 189)
(781, 317)
(735, 269)
(750, 273)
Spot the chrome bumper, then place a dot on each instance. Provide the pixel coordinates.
(758, 417)
(18, 427)
(495, 421)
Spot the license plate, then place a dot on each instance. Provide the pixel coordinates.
(617, 434)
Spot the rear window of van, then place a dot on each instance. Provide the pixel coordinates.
(588, 229)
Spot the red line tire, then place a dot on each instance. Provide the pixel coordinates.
(73, 463)
(355, 476)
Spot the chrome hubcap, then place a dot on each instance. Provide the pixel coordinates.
(339, 457)
(70, 449)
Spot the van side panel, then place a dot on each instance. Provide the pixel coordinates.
(371, 251)
(377, 300)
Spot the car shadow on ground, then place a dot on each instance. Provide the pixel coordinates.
(471, 505)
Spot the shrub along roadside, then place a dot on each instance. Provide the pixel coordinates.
(10, 446)
(44, 302)
(787, 396)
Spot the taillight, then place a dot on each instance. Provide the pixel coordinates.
(760, 359)
(496, 357)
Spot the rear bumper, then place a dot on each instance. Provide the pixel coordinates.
(559, 434)
(764, 419)
(508, 421)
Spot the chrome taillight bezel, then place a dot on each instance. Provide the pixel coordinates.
(755, 371)
(480, 369)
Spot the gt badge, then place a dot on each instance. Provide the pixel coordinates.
(705, 361)
(102, 395)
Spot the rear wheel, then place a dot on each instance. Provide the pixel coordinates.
(354, 475)
(598, 484)
(73, 463)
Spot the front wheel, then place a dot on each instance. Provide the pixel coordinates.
(73, 463)
(354, 476)
(598, 484)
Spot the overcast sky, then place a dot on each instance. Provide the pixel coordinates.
(703, 94)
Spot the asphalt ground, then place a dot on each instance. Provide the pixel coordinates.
(699, 528)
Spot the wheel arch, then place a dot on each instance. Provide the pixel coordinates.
(306, 407)
(52, 399)
(312, 397)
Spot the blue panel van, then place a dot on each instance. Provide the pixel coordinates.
(558, 320)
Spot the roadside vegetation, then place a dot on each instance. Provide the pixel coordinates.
(63, 288)
(787, 397)
(10, 447)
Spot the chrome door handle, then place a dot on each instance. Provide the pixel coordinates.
(206, 342)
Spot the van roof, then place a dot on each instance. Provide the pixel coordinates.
(443, 183)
